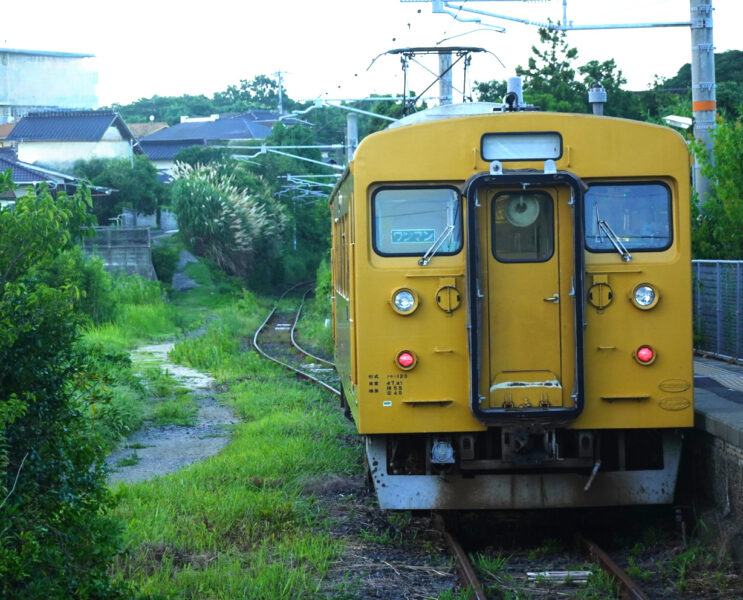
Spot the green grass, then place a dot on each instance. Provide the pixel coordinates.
(128, 461)
(239, 524)
(315, 326)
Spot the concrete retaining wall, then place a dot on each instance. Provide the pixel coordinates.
(716, 479)
(123, 248)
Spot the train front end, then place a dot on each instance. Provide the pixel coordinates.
(513, 310)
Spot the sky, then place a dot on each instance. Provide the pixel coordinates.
(324, 48)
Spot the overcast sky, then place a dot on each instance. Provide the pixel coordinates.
(164, 47)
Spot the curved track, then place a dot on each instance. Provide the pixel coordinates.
(275, 340)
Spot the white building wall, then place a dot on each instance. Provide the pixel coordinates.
(40, 81)
(62, 155)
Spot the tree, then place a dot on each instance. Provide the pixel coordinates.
(549, 77)
(619, 102)
(718, 227)
(136, 185)
(491, 91)
(728, 77)
(56, 540)
(552, 82)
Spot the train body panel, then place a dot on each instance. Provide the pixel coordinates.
(489, 313)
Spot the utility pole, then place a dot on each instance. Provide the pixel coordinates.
(281, 85)
(352, 135)
(703, 97)
(445, 84)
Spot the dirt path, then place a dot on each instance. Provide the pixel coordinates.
(165, 449)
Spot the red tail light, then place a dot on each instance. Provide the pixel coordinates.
(406, 360)
(645, 355)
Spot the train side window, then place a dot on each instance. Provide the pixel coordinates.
(408, 221)
(523, 227)
(639, 214)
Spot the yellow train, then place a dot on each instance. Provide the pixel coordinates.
(512, 308)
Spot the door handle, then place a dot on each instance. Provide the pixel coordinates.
(553, 298)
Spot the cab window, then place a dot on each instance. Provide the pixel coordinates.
(523, 227)
(407, 221)
(639, 214)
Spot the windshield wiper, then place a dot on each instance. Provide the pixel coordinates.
(426, 258)
(606, 229)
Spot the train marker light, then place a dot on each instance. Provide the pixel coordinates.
(645, 355)
(644, 296)
(405, 360)
(404, 301)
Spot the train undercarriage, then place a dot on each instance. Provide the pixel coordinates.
(520, 467)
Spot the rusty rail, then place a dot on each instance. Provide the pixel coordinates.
(464, 565)
(628, 587)
(278, 361)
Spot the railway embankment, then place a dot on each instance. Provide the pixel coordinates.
(715, 474)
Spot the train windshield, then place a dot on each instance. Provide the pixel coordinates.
(638, 214)
(409, 221)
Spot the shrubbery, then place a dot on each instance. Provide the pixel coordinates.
(223, 222)
(56, 538)
(165, 261)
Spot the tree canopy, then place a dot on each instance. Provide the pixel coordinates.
(56, 540)
(135, 183)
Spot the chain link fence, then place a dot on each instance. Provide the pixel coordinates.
(718, 301)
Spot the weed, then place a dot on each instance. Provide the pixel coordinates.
(549, 546)
(237, 524)
(455, 595)
(385, 537)
(637, 572)
(174, 412)
(493, 566)
(600, 586)
(128, 461)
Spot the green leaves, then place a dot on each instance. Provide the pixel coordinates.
(55, 539)
(718, 227)
(222, 221)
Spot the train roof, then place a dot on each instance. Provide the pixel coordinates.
(449, 111)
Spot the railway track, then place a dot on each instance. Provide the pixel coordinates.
(275, 340)
(627, 588)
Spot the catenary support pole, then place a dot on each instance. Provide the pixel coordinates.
(352, 135)
(445, 80)
(703, 97)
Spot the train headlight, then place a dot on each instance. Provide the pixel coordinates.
(644, 296)
(404, 301)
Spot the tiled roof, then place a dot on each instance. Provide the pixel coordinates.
(45, 53)
(166, 149)
(68, 126)
(240, 127)
(23, 173)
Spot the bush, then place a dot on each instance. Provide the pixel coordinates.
(56, 538)
(165, 261)
(222, 222)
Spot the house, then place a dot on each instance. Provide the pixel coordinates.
(25, 175)
(5, 130)
(141, 130)
(34, 80)
(163, 146)
(58, 139)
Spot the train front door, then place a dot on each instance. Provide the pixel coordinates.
(528, 319)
